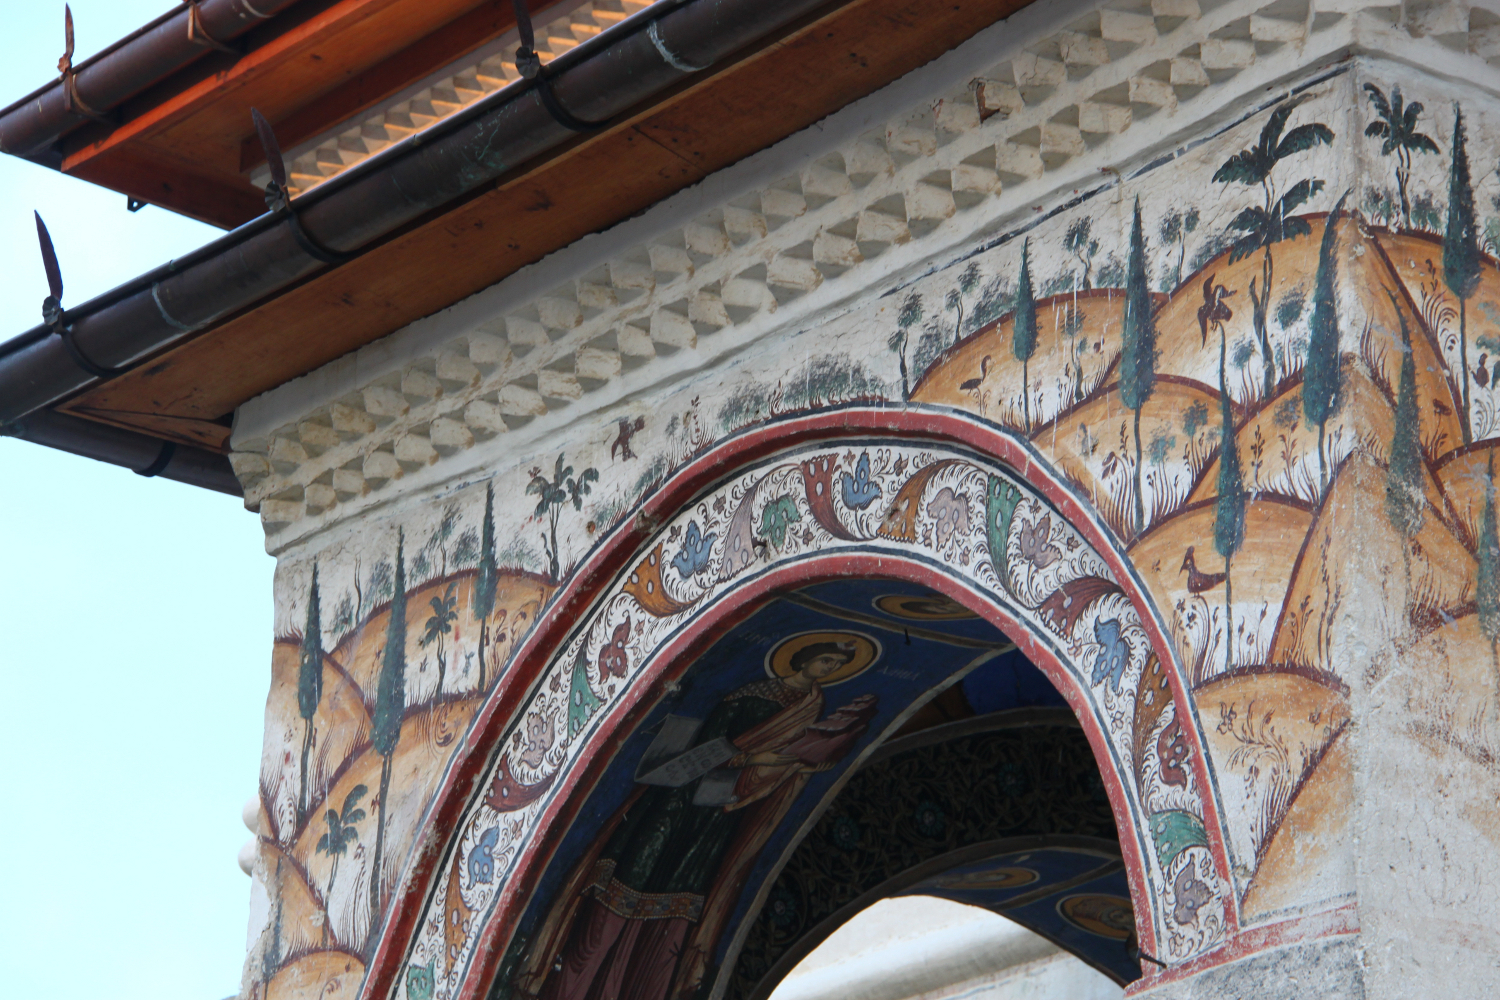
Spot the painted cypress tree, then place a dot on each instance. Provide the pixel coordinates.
(390, 706)
(1229, 512)
(488, 578)
(1321, 381)
(1487, 593)
(1404, 500)
(908, 316)
(1138, 355)
(1461, 251)
(1023, 330)
(309, 682)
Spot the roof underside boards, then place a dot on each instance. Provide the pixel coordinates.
(187, 143)
(780, 86)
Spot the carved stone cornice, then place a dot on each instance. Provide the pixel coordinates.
(1058, 99)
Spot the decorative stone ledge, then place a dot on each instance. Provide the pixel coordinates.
(445, 93)
(1080, 106)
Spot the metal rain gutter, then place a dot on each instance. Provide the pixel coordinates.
(92, 90)
(349, 213)
(142, 454)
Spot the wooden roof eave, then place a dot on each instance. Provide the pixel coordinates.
(779, 86)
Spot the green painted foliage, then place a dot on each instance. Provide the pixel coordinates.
(1139, 354)
(1175, 831)
(390, 692)
(1397, 127)
(341, 832)
(310, 672)
(1461, 238)
(1262, 227)
(582, 702)
(554, 494)
(1023, 329)
(1254, 165)
(488, 578)
(1404, 490)
(1023, 338)
(1001, 500)
(1229, 513)
(776, 518)
(1320, 382)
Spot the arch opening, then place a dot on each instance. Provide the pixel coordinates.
(882, 740)
(951, 522)
(907, 946)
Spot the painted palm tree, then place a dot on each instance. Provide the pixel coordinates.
(561, 489)
(967, 282)
(1271, 222)
(909, 315)
(439, 625)
(1397, 125)
(335, 843)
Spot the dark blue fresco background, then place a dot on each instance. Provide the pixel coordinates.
(908, 667)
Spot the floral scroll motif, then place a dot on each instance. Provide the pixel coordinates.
(932, 504)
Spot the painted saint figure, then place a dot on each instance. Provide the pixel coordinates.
(641, 913)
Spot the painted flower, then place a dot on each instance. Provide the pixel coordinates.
(776, 517)
(859, 492)
(694, 556)
(1114, 657)
(950, 514)
(930, 819)
(419, 982)
(1172, 750)
(1191, 894)
(1012, 778)
(783, 908)
(1035, 547)
(845, 833)
(482, 858)
(539, 733)
(613, 660)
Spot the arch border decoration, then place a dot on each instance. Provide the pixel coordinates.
(937, 498)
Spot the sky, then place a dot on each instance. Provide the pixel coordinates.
(136, 616)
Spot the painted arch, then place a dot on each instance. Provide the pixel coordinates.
(940, 500)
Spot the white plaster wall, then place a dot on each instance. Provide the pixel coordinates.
(924, 947)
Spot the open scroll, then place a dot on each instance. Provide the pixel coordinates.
(672, 761)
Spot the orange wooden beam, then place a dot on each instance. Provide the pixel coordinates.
(784, 85)
(202, 116)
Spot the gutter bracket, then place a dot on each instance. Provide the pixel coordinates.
(160, 462)
(199, 36)
(304, 239)
(52, 315)
(72, 103)
(530, 65)
(279, 198)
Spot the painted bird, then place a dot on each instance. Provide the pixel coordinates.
(969, 385)
(1198, 582)
(628, 430)
(1481, 373)
(1213, 309)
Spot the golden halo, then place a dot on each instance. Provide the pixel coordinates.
(1009, 877)
(1106, 916)
(923, 607)
(866, 652)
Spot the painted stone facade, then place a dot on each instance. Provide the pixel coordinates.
(507, 535)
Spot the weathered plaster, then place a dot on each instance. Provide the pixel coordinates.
(1343, 727)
